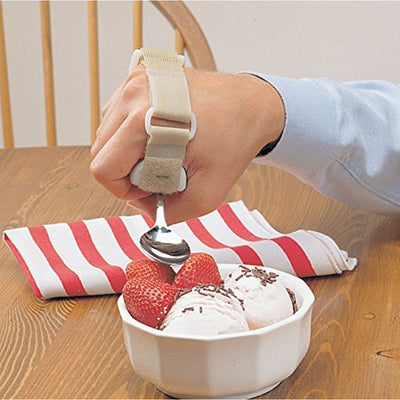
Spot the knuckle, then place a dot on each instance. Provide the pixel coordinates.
(119, 194)
(132, 120)
(134, 86)
(99, 130)
(93, 152)
(97, 171)
(138, 71)
(135, 118)
(136, 77)
(130, 91)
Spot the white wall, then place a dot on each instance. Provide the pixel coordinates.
(342, 40)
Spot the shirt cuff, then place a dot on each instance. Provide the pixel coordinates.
(310, 130)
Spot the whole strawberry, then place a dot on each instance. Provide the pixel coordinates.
(148, 301)
(199, 268)
(149, 269)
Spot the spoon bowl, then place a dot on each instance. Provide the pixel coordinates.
(161, 244)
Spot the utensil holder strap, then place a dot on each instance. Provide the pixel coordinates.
(161, 169)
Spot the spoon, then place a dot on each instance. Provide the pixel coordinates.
(160, 243)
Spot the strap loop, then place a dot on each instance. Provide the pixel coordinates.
(148, 126)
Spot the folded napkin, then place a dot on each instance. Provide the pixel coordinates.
(89, 257)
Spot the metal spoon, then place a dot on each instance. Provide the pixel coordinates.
(160, 243)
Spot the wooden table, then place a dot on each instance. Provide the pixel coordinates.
(73, 348)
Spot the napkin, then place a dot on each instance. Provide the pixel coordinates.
(89, 257)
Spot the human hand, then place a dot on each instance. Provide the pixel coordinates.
(236, 116)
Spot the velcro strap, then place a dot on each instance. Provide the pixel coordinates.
(162, 135)
(168, 86)
(166, 146)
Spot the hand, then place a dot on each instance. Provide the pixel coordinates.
(236, 116)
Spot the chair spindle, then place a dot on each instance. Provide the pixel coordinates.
(4, 89)
(48, 74)
(93, 68)
(137, 24)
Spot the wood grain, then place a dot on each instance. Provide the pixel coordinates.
(73, 348)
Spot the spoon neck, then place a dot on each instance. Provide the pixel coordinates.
(160, 213)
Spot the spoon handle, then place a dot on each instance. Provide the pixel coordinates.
(160, 215)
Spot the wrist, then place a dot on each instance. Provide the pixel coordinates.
(269, 114)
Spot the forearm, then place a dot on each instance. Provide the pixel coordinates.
(342, 138)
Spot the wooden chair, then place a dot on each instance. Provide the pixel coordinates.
(188, 35)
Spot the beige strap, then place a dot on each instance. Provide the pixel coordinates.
(168, 86)
(161, 170)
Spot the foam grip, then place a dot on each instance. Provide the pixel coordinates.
(160, 175)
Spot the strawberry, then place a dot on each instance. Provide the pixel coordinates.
(199, 268)
(148, 301)
(149, 269)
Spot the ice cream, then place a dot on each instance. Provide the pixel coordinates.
(249, 298)
(206, 310)
(265, 299)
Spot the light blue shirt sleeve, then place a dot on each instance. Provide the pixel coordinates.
(343, 138)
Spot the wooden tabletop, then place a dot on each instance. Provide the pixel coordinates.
(73, 348)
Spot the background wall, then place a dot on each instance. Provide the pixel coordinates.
(341, 40)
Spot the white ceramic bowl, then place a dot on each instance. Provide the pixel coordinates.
(240, 365)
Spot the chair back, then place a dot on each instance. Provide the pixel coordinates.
(188, 36)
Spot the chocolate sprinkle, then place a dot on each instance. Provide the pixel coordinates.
(293, 299)
(210, 290)
(181, 293)
(240, 276)
(259, 273)
(188, 309)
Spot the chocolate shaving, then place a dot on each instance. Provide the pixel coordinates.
(188, 309)
(293, 299)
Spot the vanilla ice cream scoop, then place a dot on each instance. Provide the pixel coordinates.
(206, 310)
(265, 298)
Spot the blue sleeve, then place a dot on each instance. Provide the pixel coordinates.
(343, 139)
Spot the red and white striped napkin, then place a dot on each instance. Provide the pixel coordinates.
(89, 257)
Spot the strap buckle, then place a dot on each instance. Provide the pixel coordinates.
(149, 115)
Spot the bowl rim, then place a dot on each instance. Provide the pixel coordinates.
(307, 302)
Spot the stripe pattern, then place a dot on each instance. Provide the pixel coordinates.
(89, 257)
